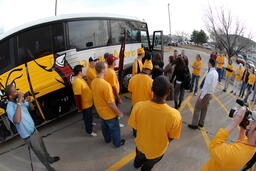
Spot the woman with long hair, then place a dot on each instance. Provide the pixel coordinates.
(179, 75)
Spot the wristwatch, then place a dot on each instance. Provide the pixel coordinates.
(19, 104)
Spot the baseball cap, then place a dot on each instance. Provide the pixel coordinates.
(110, 59)
(93, 59)
(148, 64)
(140, 51)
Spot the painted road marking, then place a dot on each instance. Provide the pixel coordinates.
(202, 130)
(122, 162)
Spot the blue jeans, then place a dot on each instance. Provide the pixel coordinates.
(242, 89)
(111, 129)
(87, 117)
(249, 90)
(219, 70)
(195, 80)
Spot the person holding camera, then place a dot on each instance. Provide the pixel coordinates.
(18, 113)
(232, 157)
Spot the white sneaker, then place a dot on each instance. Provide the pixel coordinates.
(195, 94)
(94, 124)
(121, 125)
(93, 134)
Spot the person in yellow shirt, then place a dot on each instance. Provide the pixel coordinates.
(137, 64)
(220, 61)
(140, 85)
(197, 65)
(91, 72)
(83, 98)
(229, 73)
(156, 123)
(238, 80)
(231, 157)
(104, 102)
(250, 83)
(111, 77)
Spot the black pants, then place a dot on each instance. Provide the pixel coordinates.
(250, 163)
(88, 118)
(145, 164)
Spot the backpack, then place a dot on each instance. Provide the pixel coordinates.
(187, 79)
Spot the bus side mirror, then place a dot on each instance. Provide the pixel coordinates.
(89, 44)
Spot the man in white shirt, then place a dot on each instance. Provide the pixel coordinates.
(203, 100)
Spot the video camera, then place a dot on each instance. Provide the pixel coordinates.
(247, 116)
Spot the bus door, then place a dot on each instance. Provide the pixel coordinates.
(157, 43)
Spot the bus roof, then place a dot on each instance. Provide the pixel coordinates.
(66, 17)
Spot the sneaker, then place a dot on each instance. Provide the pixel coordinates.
(121, 125)
(192, 126)
(94, 124)
(93, 134)
(54, 159)
(195, 94)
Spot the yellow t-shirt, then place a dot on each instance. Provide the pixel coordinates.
(140, 86)
(197, 63)
(239, 74)
(103, 95)
(135, 69)
(155, 125)
(228, 73)
(227, 157)
(220, 61)
(112, 79)
(90, 75)
(80, 87)
(251, 79)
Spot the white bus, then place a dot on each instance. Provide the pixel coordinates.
(38, 57)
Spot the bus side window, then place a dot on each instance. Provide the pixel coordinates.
(5, 58)
(38, 41)
(58, 39)
(86, 34)
(117, 31)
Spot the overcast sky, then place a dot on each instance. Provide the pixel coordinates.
(186, 15)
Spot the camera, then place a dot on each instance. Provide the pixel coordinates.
(247, 116)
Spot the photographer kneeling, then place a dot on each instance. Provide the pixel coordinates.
(231, 157)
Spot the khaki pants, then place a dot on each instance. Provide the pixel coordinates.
(201, 110)
(35, 142)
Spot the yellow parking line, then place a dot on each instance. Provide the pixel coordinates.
(202, 130)
(122, 162)
(221, 104)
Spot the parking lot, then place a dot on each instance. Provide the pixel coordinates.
(79, 152)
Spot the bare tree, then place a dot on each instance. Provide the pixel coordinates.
(229, 34)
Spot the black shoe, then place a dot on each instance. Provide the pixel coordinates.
(224, 90)
(54, 159)
(192, 126)
(122, 142)
(200, 125)
(231, 91)
(176, 105)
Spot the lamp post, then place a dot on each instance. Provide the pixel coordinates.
(56, 3)
(169, 21)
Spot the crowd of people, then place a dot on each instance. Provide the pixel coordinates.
(154, 123)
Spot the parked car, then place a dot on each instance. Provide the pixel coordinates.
(240, 60)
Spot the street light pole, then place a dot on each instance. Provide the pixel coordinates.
(56, 3)
(169, 21)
